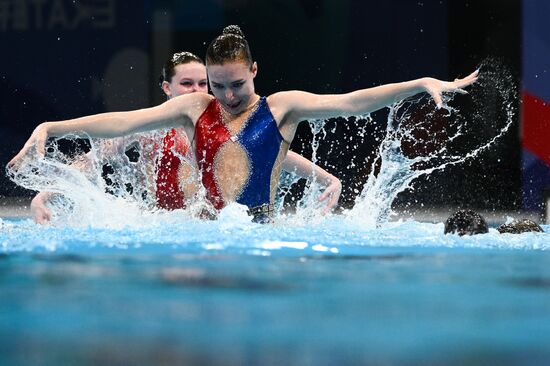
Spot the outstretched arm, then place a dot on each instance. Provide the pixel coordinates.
(298, 106)
(307, 169)
(177, 111)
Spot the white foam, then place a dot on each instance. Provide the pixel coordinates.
(273, 245)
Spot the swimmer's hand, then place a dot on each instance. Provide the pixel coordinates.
(39, 212)
(436, 87)
(37, 140)
(332, 193)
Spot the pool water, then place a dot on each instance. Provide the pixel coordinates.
(224, 292)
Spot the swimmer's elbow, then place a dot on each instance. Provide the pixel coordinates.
(126, 123)
(117, 125)
(349, 108)
(346, 105)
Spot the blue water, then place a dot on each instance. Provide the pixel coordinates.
(233, 292)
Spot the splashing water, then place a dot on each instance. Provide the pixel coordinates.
(78, 189)
(410, 149)
(437, 151)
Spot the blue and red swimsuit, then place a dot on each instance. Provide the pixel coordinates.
(261, 140)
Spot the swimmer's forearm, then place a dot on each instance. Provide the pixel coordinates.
(114, 124)
(303, 105)
(304, 168)
(297, 164)
(107, 125)
(372, 99)
(100, 125)
(369, 100)
(173, 113)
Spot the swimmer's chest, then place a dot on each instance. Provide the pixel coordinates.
(233, 150)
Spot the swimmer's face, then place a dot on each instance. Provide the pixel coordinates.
(188, 78)
(232, 83)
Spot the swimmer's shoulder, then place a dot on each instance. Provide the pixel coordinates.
(191, 105)
(288, 97)
(284, 102)
(198, 99)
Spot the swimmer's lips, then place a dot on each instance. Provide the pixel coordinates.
(233, 107)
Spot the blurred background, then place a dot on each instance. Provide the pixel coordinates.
(63, 59)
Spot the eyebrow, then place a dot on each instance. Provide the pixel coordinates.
(232, 82)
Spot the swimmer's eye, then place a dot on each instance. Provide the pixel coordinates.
(217, 86)
(238, 84)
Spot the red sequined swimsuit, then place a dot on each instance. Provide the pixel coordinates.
(169, 196)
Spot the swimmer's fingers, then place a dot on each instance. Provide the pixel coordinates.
(330, 205)
(332, 193)
(460, 91)
(42, 216)
(14, 162)
(40, 213)
(458, 85)
(436, 96)
(46, 216)
(464, 82)
(436, 87)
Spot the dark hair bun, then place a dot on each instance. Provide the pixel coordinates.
(233, 30)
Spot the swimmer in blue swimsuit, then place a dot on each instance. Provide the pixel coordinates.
(262, 147)
(238, 168)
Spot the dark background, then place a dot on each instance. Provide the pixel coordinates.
(61, 61)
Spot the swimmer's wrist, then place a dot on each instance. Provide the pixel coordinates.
(423, 84)
(48, 128)
(331, 179)
(337, 182)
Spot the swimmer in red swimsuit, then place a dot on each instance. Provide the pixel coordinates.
(183, 73)
(176, 177)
